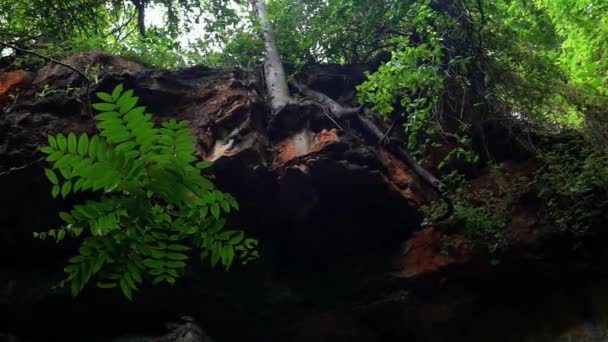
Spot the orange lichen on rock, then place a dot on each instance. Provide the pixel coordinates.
(303, 143)
(324, 138)
(402, 178)
(11, 79)
(429, 251)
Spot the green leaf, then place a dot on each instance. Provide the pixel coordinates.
(105, 107)
(55, 190)
(153, 263)
(250, 243)
(60, 235)
(65, 188)
(66, 172)
(126, 289)
(235, 240)
(135, 116)
(66, 217)
(176, 256)
(93, 146)
(52, 141)
(75, 286)
(107, 116)
(126, 146)
(105, 97)
(61, 142)
(116, 92)
(179, 248)
(204, 211)
(47, 149)
(215, 254)
(63, 161)
(128, 104)
(103, 285)
(227, 257)
(83, 144)
(129, 280)
(204, 164)
(176, 264)
(215, 210)
(72, 142)
(51, 176)
(54, 156)
(134, 272)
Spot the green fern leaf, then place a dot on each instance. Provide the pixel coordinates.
(52, 141)
(104, 285)
(227, 256)
(134, 272)
(55, 191)
(107, 116)
(135, 115)
(61, 142)
(72, 142)
(75, 285)
(153, 263)
(127, 104)
(204, 164)
(175, 264)
(66, 217)
(105, 107)
(65, 188)
(177, 256)
(116, 92)
(47, 149)
(153, 166)
(126, 289)
(54, 156)
(105, 97)
(215, 210)
(51, 176)
(179, 248)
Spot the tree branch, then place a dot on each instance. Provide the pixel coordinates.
(52, 60)
(341, 112)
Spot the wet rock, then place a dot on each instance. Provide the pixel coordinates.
(430, 251)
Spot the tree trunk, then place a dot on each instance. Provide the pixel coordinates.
(140, 6)
(274, 72)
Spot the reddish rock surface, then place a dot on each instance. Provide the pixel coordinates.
(430, 251)
(13, 79)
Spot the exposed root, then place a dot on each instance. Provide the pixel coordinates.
(374, 130)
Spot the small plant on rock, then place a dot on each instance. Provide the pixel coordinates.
(155, 206)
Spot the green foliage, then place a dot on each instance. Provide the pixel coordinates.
(573, 185)
(411, 72)
(155, 208)
(411, 81)
(483, 214)
(340, 31)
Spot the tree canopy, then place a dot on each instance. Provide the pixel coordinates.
(540, 59)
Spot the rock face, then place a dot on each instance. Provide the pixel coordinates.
(333, 213)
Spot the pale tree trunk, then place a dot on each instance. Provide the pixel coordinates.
(274, 72)
(278, 91)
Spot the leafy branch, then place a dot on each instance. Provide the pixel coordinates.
(155, 209)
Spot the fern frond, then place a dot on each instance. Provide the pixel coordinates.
(156, 208)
